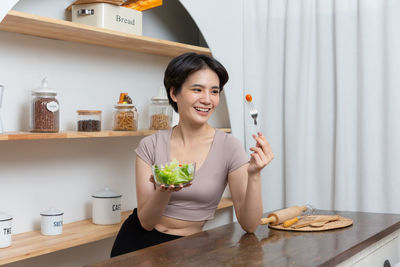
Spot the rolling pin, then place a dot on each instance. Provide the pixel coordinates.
(280, 216)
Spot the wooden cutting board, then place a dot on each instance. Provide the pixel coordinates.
(340, 223)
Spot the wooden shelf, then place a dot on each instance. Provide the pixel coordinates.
(71, 135)
(225, 203)
(32, 244)
(8, 136)
(25, 23)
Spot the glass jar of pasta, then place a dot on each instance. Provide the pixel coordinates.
(160, 111)
(125, 117)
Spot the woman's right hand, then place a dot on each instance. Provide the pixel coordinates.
(171, 188)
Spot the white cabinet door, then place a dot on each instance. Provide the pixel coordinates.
(387, 248)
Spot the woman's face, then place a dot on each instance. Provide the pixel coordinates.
(199, 96)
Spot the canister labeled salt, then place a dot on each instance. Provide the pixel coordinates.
(5, 230)
(52, 222)
(106, 207)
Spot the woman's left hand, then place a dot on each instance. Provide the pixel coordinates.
(262, 154)
(171, 188)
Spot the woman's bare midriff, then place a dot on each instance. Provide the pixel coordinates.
(173, 226)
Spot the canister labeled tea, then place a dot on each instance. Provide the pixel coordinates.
(106, 207)
(52, 222)
(5, 230)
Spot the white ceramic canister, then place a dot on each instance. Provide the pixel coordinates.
(52, 222)
(106, 208)
(5, 230)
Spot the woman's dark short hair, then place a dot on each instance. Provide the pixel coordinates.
(182, 66)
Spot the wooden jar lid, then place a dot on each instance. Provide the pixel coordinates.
(88, 112)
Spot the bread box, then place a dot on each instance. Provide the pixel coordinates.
(108, 16)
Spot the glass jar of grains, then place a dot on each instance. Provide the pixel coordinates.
(45, 110)
(89, 120)
(160, 111)
(125, 117)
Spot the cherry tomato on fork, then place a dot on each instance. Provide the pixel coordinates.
(249, 98)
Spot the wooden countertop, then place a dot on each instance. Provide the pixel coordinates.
(229, 245)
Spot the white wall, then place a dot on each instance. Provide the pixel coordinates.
(224, 35)
(39, 174)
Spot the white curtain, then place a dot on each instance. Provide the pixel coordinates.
(325, 76)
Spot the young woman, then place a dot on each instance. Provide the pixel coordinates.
(193, 83)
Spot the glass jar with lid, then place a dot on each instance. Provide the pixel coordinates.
(160, 111)
(45, 109)
(89, 120)
(125, 117)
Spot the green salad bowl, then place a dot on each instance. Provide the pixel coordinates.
(173, 173)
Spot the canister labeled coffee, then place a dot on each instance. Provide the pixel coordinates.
(106, 208)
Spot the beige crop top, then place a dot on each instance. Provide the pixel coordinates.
(199, 201)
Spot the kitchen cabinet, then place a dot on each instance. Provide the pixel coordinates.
(387, 248)
(374, 234)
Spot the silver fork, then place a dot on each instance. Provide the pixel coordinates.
(253, 111)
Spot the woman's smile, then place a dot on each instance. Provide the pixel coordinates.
(202, 111)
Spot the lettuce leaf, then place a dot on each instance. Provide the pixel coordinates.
(174, 173)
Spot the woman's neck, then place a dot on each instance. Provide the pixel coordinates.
(186, 134)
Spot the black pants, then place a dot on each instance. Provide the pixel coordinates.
(132, 236)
